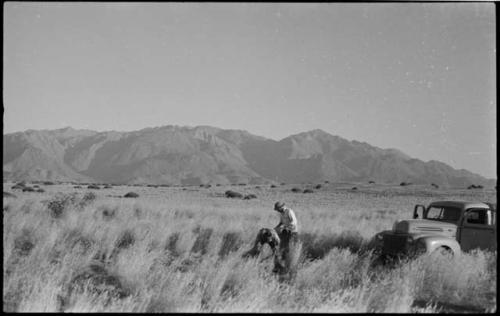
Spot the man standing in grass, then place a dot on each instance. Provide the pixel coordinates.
(288, 232)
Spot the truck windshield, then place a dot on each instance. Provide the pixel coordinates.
(441, 213)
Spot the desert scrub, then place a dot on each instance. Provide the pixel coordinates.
(58, 203)
(174, 265)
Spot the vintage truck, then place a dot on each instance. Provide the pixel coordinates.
(447, 227)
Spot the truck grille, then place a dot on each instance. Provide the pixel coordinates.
(394, 244)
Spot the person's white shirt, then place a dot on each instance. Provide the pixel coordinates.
(288, 220)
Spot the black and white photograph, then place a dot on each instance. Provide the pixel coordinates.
(246, 157)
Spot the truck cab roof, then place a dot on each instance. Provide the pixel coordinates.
(464, 204)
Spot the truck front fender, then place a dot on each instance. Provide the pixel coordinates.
(432, 243)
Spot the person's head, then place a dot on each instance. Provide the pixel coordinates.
(279, 206)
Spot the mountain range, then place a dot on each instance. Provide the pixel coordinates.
(204, 154)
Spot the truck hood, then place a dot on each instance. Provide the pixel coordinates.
(425, 226)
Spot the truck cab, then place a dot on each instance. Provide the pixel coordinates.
(444, 226)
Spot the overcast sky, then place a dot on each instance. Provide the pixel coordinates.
(420, 77)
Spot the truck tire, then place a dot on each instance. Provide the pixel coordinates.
(444, 252)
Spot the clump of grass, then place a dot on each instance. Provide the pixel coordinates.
(88, 198)
(171, 244)
(231, 241)
(125, 240)
(24, 244)
(202, 240)
(95, 280)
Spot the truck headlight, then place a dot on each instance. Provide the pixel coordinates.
(379, 237)
(410, 239)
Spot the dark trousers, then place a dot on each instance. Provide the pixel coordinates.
(288, 239)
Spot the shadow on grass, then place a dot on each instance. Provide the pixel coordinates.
(318, 246)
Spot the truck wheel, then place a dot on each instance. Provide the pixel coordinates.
(444, 252)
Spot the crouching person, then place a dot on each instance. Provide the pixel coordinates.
(265, 236)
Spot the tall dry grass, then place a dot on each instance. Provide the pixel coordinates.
(174, 250)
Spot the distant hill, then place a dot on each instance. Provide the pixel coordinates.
(204, 154)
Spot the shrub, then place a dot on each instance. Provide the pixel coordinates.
(435, 185)
(57, 205)
(108, 213)
(473, 186)
(28, 189)
(93, 186)
(354, 188)
(308, 191)
(40, 190)
(242, 184)
(371, 182)
(250, 196)
(17, 187)
(273, 186)
(88, 198)
(319, 186)
(233, 194)
(327, 182)
(77, 186)
(48, 183)
(296, 190)
(131, 195)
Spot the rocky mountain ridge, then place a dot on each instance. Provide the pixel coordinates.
(205, 154)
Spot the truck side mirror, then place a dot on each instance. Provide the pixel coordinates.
(415, 211)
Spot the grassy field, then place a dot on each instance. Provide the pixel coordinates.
(176, 249)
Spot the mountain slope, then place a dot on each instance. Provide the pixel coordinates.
(204, 154)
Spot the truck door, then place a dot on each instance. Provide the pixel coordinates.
(478, 230)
